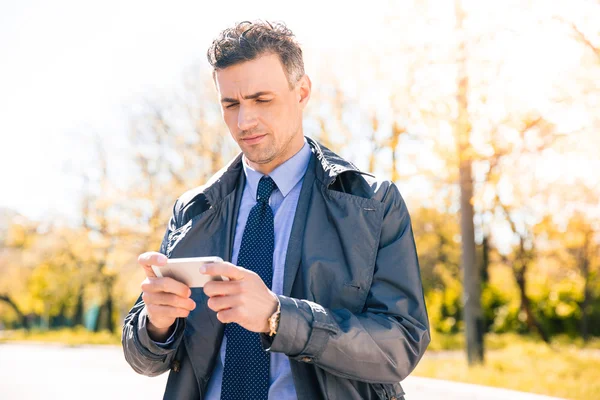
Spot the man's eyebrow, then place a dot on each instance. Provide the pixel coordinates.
(249, 97)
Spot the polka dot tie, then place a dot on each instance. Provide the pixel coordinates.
(246, 374)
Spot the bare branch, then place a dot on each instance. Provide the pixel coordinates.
(580, 36)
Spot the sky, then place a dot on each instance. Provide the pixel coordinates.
(71, 68)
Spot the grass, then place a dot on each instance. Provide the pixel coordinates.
(568, 369)
(440, 342)
(68, 336)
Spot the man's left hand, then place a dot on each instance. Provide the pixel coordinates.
(245, 299)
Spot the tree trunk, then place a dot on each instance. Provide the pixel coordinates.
(473, 313)
(22, 319)
(105, 316)
(585, 325)
(60, 320)
(98, 323)
(531, 321)
(585, 272)
(485, 259)
(397, 130)
(78, 316)
(110, 322)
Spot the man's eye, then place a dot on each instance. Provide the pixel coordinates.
(263, 101)
(232, 105)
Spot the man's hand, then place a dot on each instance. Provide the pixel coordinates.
(245, 299)
(165, 298)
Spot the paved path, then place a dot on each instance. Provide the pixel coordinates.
(29, 371)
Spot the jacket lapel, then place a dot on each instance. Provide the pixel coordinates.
(294, 250)
(232, 220)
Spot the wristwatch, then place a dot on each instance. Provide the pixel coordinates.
(274, 319)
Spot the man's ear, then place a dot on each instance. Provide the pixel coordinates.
(303, 90)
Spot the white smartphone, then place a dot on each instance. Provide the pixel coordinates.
(185, 270)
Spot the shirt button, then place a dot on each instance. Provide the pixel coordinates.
(306, 359)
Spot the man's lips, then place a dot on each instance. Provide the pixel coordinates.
(253, 139)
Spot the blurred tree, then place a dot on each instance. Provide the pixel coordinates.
(437, 237)
(473, 313)
(521, 259)
(588, 35)
(179, 142)
(581, 240)
(484, 116)
(100, 223)
(22, 321)
(19, 238)
(505, 169)
(41, 271)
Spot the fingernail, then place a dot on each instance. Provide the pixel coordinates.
(162, 258)
(202, 269)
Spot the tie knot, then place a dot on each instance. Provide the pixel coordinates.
(265, 187)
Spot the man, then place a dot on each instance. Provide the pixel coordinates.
(325, 298)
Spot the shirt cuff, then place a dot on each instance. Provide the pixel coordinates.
(171, 338)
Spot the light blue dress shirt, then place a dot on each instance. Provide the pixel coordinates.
(288, 177)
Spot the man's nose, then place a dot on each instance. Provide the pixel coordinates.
(246, 119)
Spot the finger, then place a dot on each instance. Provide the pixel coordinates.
(229, 270)
(160, 311)
(227, 316)
(167, 299)
(223, 302)
(166, 284)
(146, 260)
(221, 288)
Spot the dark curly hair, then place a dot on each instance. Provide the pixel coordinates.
(247, 41)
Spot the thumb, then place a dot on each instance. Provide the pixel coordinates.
(148, 259)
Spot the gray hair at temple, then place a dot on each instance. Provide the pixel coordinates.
(248, 41)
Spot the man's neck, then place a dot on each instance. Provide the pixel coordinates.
(267, 168)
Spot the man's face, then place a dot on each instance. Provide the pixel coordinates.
(263, 114)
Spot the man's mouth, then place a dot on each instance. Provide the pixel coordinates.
(254, 139)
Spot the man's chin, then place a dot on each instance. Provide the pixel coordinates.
(258, 159)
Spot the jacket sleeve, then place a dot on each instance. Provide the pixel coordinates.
(384, 343)
(141, 352)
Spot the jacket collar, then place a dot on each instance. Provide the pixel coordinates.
(328, 167)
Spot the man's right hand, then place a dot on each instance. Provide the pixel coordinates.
(166, 299)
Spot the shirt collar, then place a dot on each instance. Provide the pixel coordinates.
(285, 176)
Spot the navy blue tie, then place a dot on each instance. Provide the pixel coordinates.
(246, 374)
